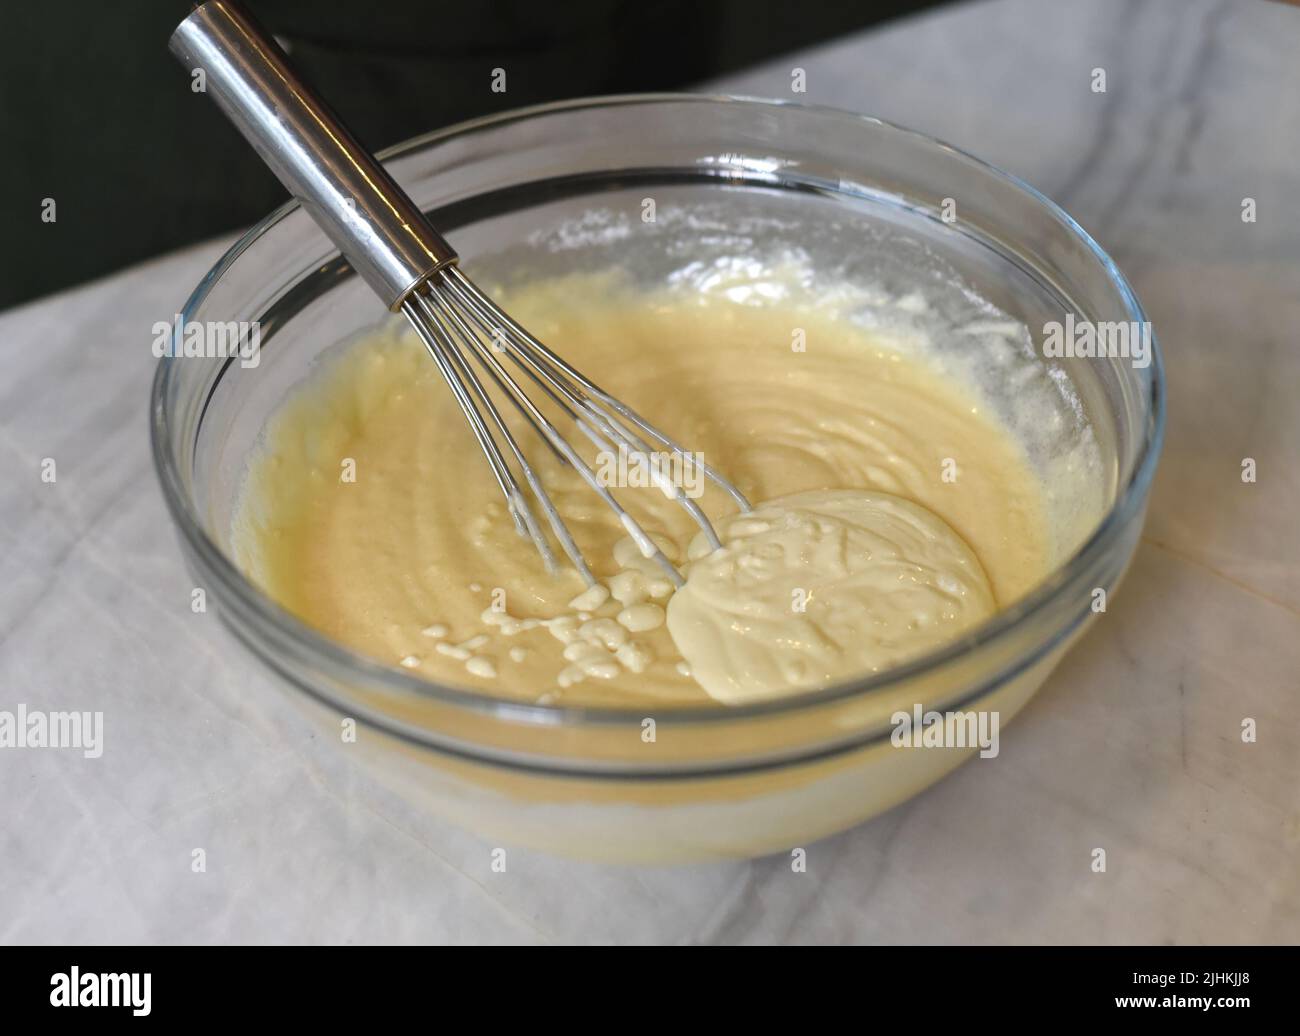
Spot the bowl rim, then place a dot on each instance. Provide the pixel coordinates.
(1129, 501)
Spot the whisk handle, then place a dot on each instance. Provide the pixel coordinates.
(374, 223)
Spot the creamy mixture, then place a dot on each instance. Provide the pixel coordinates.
(891, 512)
(822, 584)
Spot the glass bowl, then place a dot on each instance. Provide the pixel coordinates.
(559, 188)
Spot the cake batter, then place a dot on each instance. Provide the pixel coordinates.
(891, 513)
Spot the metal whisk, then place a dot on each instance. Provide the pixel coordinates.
(388, 241)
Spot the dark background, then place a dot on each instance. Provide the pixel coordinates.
(96, 114)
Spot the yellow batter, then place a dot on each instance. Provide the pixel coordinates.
(370, 512)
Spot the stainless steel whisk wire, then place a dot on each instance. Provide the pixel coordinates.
(399, 254)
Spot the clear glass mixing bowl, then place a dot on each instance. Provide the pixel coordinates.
(559, 188)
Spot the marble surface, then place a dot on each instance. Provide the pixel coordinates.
(1134, 744)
